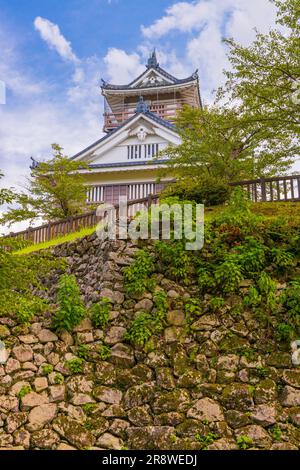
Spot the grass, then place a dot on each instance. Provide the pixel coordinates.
(56, 241)
(269, 210)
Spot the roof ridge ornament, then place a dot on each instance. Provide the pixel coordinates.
(152, 61)
(142, 106)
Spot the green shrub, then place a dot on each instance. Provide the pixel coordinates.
(83, 352)
(59, 379)
(228, 276)
(161, 304)
(206, 440)
(136, 276)
(47, 369)
(71, 310)
(251, 256)
(140, 331)
(104, 352)
(238, 212)
(75, 366)
(290, 299)
(216, 303)
(25, 390)
(209, 191)
(262, 298)
(174, 259)
(88, 408)
(244, 442)
(282, 259)
(284, 332)
(100, 313)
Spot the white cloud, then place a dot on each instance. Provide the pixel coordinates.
(122, 67)
(37, 113)
(50, 32)
(182, 16)
(205, 23)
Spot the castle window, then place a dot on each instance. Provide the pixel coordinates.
(142, 151)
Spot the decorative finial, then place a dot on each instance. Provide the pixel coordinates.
(152, 61)
(142, 106)
(34, 163)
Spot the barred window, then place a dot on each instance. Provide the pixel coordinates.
(143, 151)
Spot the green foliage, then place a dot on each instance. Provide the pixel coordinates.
(47, 369)
(238, 211)
(264, 78)
(251, 256)
(206, 440)
(263, 297)
(75, 366)
(27, 306)
(19, 277)
(290, 299)
(71, 310)
(161, 304)
(83, 352)
(56, 191)
(244, 442)
(282, 259)
(262, 372)
(192, 309)
(136, 276)
(276, 433)
(228, 276)
(25, 390)
(6, 195)
(209, 191)
(59, 379)
(146, 324)
(104, 352)
(88, 408)
(285, 332)
(100, 313)
(140, 331)
(174, 259)
(216, 303)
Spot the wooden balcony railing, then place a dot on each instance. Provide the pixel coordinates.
(164, 109)
(60, 228)
(280, 188)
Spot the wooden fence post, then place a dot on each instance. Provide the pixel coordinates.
(263, 190)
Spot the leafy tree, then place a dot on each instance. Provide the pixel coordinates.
(6, 195)
(56, 191)
(218, 143)
(265, 77)
(253, 128)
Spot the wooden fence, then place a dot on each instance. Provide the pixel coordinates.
(53, 230)
(281, 188)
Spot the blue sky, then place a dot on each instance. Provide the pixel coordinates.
(53, 53)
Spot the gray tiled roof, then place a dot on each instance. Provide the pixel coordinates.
(134, 163)
(175, 81)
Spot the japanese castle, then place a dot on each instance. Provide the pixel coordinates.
(139, 123)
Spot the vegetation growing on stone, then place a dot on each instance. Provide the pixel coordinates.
(136, 276)
(100, 313)
(71, 310)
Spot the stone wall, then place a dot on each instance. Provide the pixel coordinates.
(191, 391)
